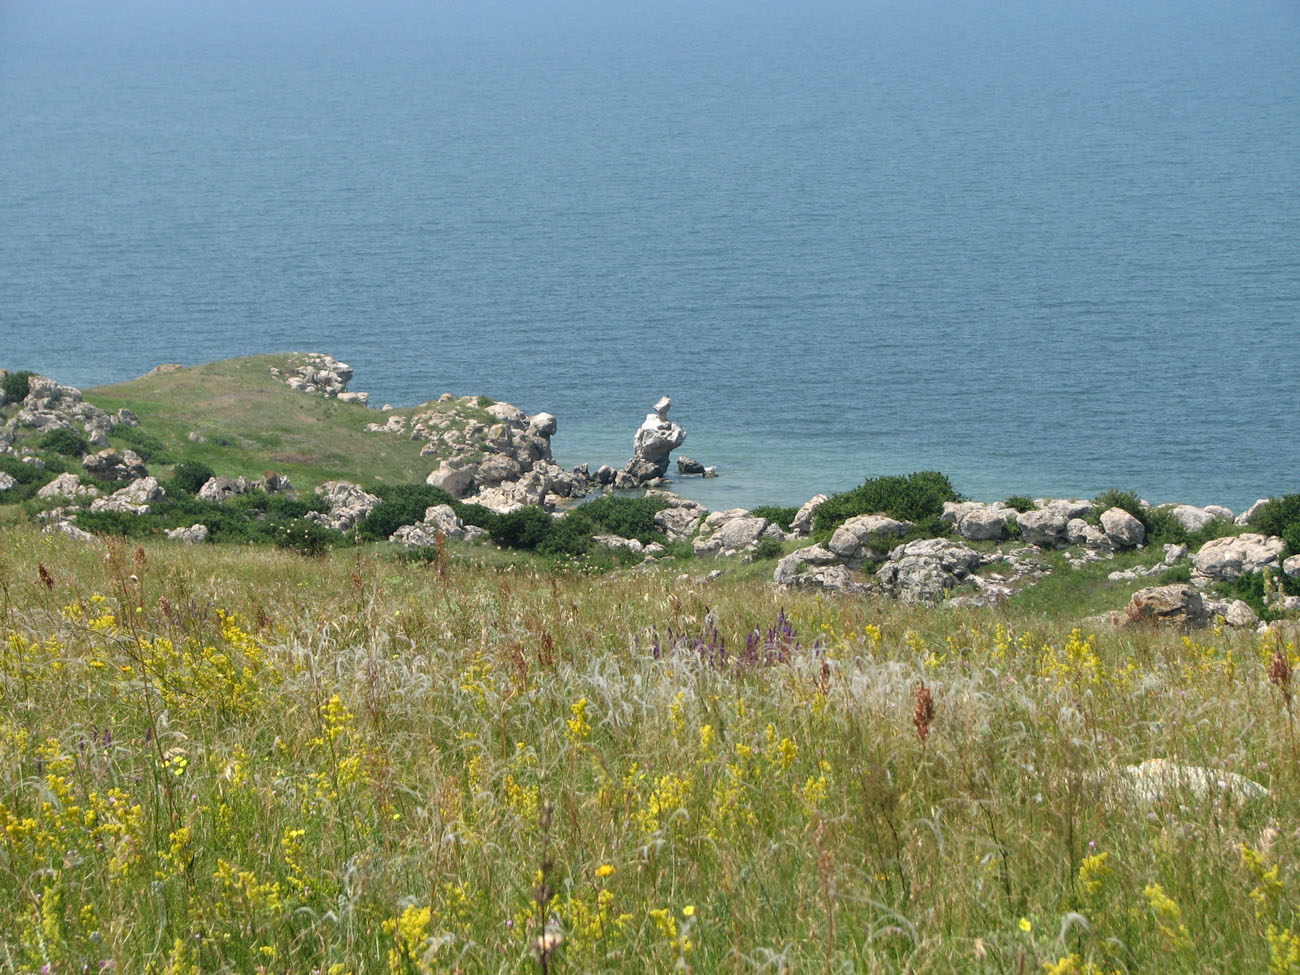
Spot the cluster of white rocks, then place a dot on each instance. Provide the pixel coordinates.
(322, 375)
(51, 406)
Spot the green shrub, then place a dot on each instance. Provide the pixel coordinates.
(776, 514)
(768, 548)
(189, 476)
(1280, 516)
(400, 504)
(302, 535)
(16, 386)
(523, 529)
(1018, 502)
(910, 497)
(20, 472)
(570, 535)
(149, 447)
(115, 523)
(475, 514)
(65, 442)
(625, 517)
(1115, 498)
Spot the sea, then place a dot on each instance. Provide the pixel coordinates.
(1045, 248)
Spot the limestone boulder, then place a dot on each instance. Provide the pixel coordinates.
(1079, 532)
(219, 490)
(67, 486)
(924, 570)
(1223, 559)
(348, 505)
(109, 465)
(196, 534)
(681, 521)
(543, 424)
(792, 569)
(1044, 527)
(986, 523)
(1123, 530)
(6, 481)
(1291, 566)
(688, 465)
(1176, 605)
(496, 469)
(867, 538)
(456, 481)
(802, 523)
(655, 439)
(1244, 519)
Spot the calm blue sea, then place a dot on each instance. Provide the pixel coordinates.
(1042, 247)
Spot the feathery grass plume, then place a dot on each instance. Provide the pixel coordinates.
(923, 712)
(1279, 675)
(47, 580)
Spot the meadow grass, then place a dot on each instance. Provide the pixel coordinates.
(235, 760)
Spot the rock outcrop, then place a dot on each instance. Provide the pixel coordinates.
(349, 504)
(322, 375)
(924, 570)
(109, 465)
(1222, 559)
(655, 439)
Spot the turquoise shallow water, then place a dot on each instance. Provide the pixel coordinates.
(1041, 250)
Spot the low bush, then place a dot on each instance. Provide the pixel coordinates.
(523, 529)
(1280, 516)
(149, 447)
(768, 548)
(915, 497)
(65, 442)
(189, 476)
(625, 517)
(776, 514)
(1018, 502)
(16, 386)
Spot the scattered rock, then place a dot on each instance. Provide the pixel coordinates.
(1227, 558)
(922, 571)
(802, 523)
(67, 486)
(109, 465)
(1158, 780)
(194, 535)
(135, 499)
(6, 482)
(1176, 605)
(219, 490)
(1044, 527)
(867, 538)
(688, 465)
(349, 504)
(1123, 530)
(69, 529)
(456, 481)
(322, 375)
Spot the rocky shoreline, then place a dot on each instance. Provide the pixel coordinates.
(496, 456)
